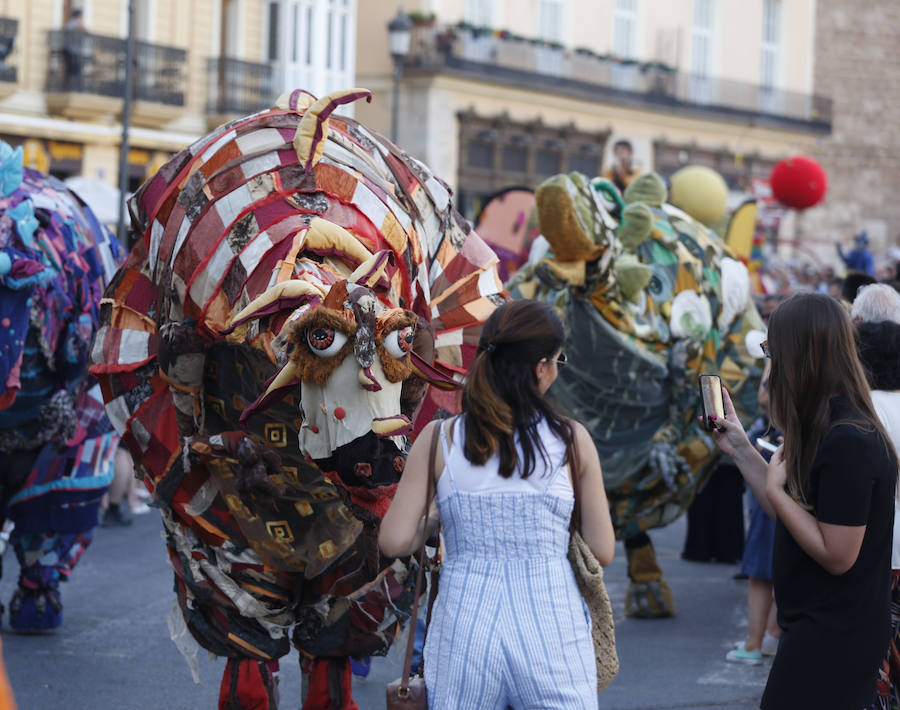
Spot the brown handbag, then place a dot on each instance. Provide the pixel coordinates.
(407, 693)
(589, 576)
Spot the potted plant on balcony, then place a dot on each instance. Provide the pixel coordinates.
(477, 42)
(625, 73)
(445, 39)
(423, 42)
(548, 55)
(421, 19)
(660, 77)
(514, 51)
(586, 65)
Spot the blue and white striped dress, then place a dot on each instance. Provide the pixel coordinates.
(509, 626)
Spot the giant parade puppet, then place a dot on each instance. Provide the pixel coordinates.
(57, 444)
(297, 284)
(652, 298)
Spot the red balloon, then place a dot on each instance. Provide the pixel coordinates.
(798, 182)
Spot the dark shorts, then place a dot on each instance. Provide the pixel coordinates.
(758, 546)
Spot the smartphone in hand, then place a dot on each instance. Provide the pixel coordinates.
(767, 445)
(710, 401)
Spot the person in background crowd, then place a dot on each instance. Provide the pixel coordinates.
(116, 514)
(853, 281)
(509, 626)
(876, 303)
(836, 287)
(769, 303)
(826, 279)
(75, 48)
(762, 628)
(894, 253)
(76, 20)
(833, 502)
(715, 519)
(884, 272)
(127, 495)
(859, 258)
(876, 312)
(622, 171)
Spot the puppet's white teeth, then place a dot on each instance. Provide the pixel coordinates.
(391, 426)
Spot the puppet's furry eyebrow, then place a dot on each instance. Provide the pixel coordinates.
(343, 321)
(391, 321)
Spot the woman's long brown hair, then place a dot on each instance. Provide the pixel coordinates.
(814, 368)
(502, 399)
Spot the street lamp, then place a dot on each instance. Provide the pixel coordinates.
(121, 229)
(400, 33)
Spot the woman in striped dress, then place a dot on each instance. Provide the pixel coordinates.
(509, 627)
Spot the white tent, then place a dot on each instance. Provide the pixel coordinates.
(103, 199)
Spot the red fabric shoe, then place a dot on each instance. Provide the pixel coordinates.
(330, 685)
(249, 685)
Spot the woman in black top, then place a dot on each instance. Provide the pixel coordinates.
(831, 489)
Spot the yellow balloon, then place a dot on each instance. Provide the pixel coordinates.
(701, 192)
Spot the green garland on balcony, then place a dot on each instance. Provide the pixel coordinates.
(654, 65)
(507, 36)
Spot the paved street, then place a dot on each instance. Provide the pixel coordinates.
(114, 652)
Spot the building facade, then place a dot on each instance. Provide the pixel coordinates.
(506, 92)
(198, 63)
(311, 44)
(493, 93)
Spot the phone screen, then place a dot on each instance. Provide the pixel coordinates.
(711, 400)
(767, 445)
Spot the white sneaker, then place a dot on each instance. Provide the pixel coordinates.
(742, 655)
(140, 509)
(769, 645)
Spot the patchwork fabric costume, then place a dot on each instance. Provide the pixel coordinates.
(296, 283)
(55, 439)
(652, 299)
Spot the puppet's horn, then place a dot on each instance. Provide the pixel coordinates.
(282, 295)
(309, 141)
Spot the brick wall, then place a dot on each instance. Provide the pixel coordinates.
(857, 64)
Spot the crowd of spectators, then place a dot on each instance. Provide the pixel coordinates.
(786, 278)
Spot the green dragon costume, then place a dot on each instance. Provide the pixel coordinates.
(652, 298)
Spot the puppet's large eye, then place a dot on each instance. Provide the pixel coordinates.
(324, 341)
(400, 342)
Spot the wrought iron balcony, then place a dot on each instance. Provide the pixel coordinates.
(85, 63)
(500, 58)
(237, 87)
(9, 28)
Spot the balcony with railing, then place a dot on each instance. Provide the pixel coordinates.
(237, 88)
(9, 29)
(503, 58)
(86, 77)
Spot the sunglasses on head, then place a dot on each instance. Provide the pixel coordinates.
(561, 360)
